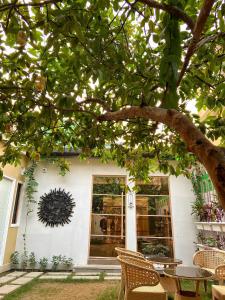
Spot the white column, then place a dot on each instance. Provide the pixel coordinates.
(131, 232)
(184, 231)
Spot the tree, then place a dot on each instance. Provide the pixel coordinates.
(114, 78)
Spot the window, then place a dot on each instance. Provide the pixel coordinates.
(16, 204)
(154, 231)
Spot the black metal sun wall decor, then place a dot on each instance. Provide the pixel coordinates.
(55, 208)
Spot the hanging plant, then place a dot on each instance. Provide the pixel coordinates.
(55, 208)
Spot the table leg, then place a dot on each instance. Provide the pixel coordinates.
(197, 287)
(178, 285)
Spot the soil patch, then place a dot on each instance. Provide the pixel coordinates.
(66, 291)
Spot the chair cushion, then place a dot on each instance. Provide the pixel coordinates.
(150, 289)
(219, 289)
(210, 270)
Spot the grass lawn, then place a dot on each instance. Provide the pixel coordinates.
(70, 289)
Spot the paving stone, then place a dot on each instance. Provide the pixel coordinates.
(52, 277)
(21, 280)
(58, 273)
(5, 279)
(6, 289)
(87, 273)
(112, 278)
(85, 277)
(33, 274)
(17, 273)
(113, 274)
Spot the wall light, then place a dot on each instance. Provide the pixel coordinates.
(130, 199)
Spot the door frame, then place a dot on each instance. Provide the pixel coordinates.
(125, 211)
(8, 217)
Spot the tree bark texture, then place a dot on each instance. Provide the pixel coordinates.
(211, 156)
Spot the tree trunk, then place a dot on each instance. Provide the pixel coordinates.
(211, 156)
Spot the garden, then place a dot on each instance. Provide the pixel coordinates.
(135, 85)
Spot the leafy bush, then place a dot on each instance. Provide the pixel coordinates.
(14, 259)
(158, 249)
(67, 262)
(56, 260)
(32, 260)
(24, 260)
(43, 262)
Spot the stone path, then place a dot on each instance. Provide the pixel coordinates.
(16, 279)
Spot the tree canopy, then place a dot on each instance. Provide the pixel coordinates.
(115, 79)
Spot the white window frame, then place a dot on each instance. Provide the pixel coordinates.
(19, 209)
(8, 216)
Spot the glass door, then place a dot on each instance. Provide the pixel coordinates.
(108, 215)
(154, 230)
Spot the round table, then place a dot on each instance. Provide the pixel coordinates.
(165, 261)
(192, 273)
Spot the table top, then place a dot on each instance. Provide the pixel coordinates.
(188, 273)
(163, 260)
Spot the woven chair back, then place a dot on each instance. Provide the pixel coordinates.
(209, 258)
(125, 252)
(220, 272)
(138, 272)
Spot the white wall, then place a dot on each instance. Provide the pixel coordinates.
(73, 239)
(184, 230)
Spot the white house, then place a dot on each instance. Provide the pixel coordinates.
(157, 218)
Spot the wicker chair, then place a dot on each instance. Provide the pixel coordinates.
(130, 253)
(218, 291)
(209, 259)
(141, 280)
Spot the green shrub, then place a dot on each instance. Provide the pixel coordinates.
(14, 260)
(56, 260)
(32, 260)
(43, 262)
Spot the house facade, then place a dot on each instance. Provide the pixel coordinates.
(11, 194)
(153, 218)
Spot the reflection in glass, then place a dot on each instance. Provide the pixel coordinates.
(105, 246)
(107, 225)
(157, 186)
(154, 226)
(108, 204)
(108, 185)
(152, 205)
(156, 247)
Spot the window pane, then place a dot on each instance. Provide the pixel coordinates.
(154, 226)
(107, 204)
(107, 225)
(157, 186)
(16, 204)
(105, 246)
(108, 185)
(158, 247)
(152, 205)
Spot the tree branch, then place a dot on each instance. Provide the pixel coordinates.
(211, 156)
(5, 7)
(173, 10)
(199, 26)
